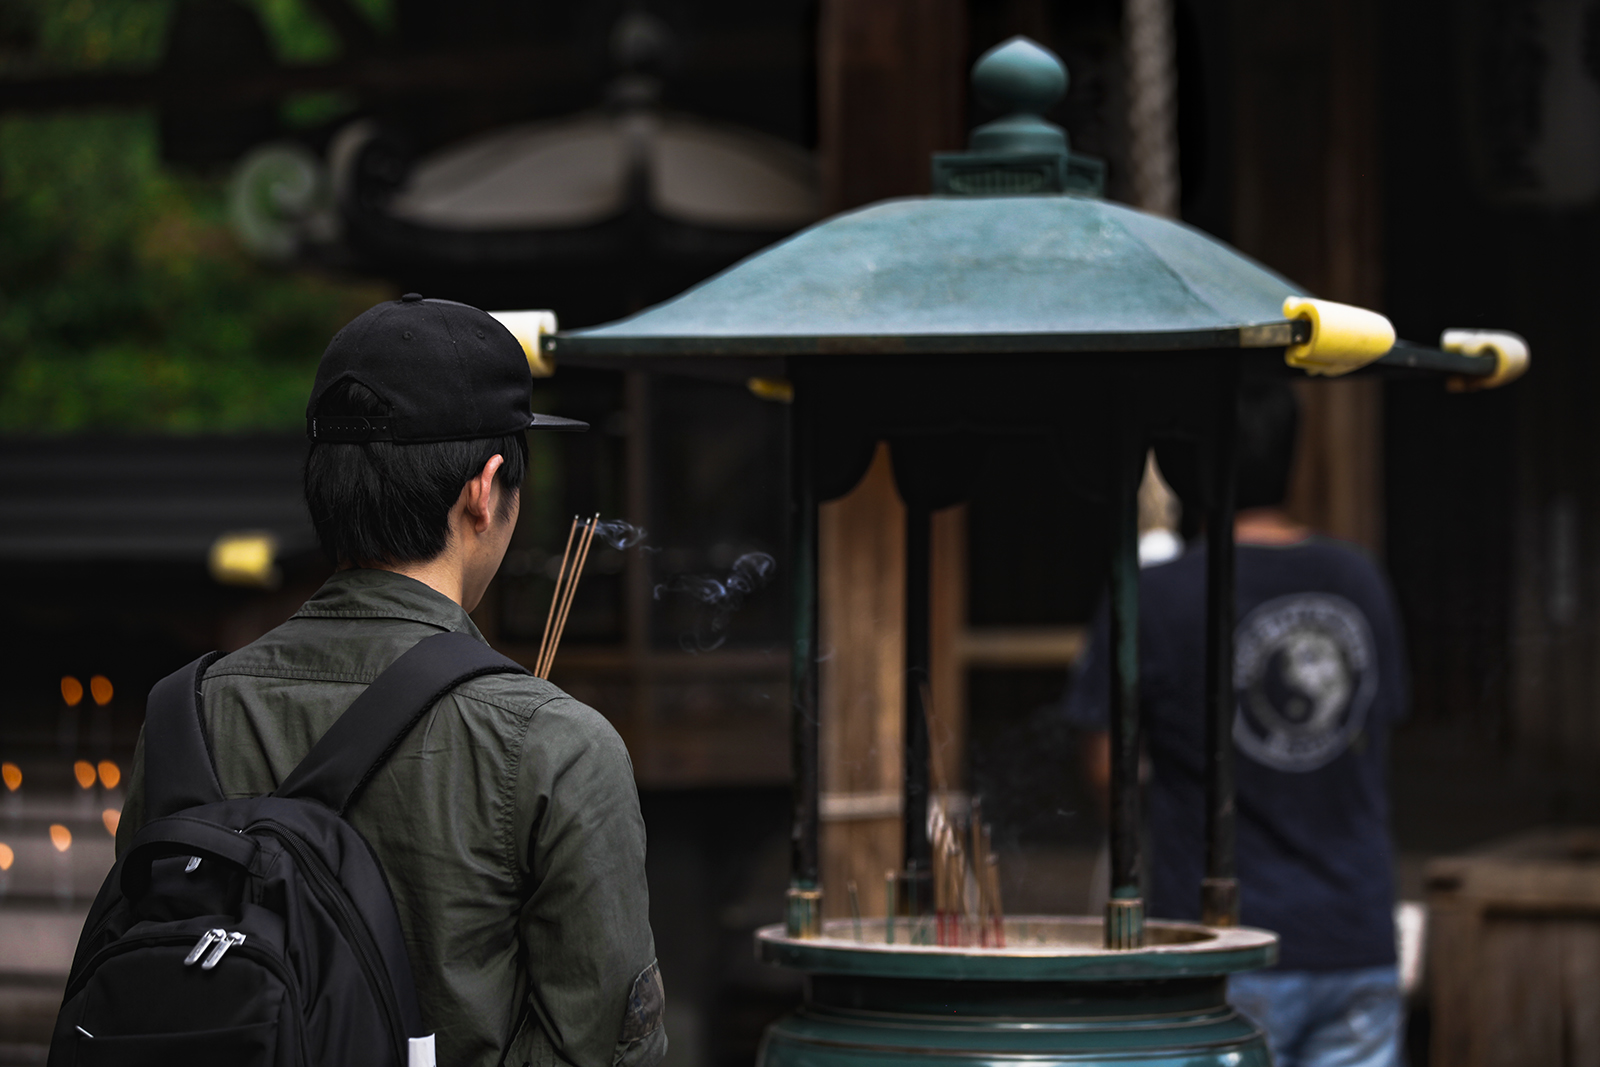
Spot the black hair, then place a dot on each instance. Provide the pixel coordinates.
(386, 502)
(1269, 423)
(1269, 420)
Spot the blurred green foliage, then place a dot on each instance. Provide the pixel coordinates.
(125, 302)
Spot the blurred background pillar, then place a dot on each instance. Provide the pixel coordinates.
(1149, 44)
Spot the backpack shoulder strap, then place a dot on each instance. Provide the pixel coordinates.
(360, 740)
(179, 772)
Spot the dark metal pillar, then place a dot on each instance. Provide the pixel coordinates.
(1125, 909)
(919, 566)
(804, 918)
(1219, 890)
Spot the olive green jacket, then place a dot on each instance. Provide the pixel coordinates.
(507, 822)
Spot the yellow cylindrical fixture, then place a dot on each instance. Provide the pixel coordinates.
(1343, 338)
(1510, 352)
(530, 328)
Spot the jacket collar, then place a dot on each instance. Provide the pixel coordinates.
(360, 593)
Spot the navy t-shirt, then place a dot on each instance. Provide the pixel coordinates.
(1319, 676)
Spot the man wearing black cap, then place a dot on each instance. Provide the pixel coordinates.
(507, 820)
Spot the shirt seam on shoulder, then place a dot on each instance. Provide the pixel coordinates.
(506, 812)
(372, 613)
(527, 709)
(296, 673)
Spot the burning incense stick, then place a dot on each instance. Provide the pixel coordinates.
(966, 879)
(565, 593)
(566, 589)
(572, 588)
(991, 870)
(561, 577)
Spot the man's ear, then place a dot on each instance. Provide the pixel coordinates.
(478, 495)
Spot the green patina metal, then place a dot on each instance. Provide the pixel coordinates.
(1015, 302)
(1053, 996)
(1021, 153)
(991, 275)
(975, 275)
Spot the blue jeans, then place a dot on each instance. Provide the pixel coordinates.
(1325, 1018)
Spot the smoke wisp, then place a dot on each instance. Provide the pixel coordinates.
(718, 598)
(620, 535)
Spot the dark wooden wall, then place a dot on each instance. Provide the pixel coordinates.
(1501, 491)
(891, 90)
(1306, 201)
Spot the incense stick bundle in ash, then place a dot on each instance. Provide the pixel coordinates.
(966, 879)
(582, 533)
(986, 877)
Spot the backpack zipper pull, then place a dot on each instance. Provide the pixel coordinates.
(224, 943)
(204, 943)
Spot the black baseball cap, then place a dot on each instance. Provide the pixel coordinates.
(447, 371)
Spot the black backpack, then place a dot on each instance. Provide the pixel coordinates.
(258, 931)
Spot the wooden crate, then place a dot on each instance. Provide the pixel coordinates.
(1514, 956)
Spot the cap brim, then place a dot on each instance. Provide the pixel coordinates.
(555, 422)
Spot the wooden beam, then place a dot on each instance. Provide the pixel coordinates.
(1021, 646)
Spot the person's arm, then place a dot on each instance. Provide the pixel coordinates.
(594, 988)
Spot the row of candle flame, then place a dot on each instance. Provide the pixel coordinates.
(106, 772)
(100, 690)
(61, 837)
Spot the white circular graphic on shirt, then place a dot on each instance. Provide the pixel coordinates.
(1305, 673)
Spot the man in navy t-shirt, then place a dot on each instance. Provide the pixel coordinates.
(1320, 678)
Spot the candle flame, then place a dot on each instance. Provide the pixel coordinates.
(110, 774)
(12, 774)
(112, 818)
(71, 691)
(83, 771)
(100, 689)
(60, 837)
(6, 856)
